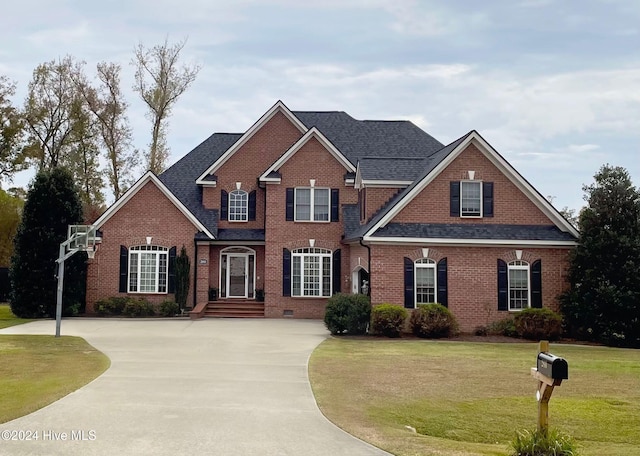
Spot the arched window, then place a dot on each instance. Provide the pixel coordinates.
(238, 206)
(148, 269)
(519, 290)
(311, 272)
(425, 281)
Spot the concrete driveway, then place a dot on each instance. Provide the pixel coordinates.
(206, 387)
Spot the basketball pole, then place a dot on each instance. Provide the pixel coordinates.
(62, 256)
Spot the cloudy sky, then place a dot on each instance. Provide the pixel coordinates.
(553, 85)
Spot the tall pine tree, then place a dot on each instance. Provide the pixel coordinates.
(52, 204)
(604, 301)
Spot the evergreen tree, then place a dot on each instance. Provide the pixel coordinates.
(604, 301)
(183, 267)
(52, 204)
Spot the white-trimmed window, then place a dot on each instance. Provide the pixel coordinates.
(148, 269)
(471, 199)
(311, 272)
(519, 289)
(238, 206)
(312, 204)
(425, 281)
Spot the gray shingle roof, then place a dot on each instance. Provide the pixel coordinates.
(180, 178)
(357, 139)
(239, 234)
(474, 231)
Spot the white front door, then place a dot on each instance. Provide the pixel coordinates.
(237, 276)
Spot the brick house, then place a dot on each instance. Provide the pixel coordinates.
(306, 204)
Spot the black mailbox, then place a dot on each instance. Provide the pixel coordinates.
(553, 366)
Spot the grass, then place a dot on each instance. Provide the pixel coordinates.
(470, 398)
(7, 318)
(38, 370)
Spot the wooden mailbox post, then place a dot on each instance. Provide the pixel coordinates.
(550, 370)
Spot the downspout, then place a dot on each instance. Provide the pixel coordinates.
(368, 262)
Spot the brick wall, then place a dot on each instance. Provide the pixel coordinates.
(312, 161)
(147, 213)
(510, 205)
(248, 163)
(472, 277)
(375, 198)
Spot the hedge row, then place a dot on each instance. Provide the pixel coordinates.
(135, 307)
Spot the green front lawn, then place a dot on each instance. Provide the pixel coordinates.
(7, 318)
(470, 398)
(38, 370)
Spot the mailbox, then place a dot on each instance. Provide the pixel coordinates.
(552, 366)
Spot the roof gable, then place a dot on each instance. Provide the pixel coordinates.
(442, 159)
(150, 177)
(279, 107)
(271, 174)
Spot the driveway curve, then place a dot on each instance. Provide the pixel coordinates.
(206, 387)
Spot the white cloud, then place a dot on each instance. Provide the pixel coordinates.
(61, 36)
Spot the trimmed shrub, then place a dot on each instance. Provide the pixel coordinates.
(388, 319)
(138, 308)
(505, 327)
(111, 306)
(168, 308)
(433, 321)
(537, 443)
(536, 324)
(347, 313)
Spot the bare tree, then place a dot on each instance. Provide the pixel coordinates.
(49, 107)
(12, 156)
(62, 132)
(160, 80)
(107, 104)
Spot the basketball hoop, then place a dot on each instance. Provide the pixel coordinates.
(80, 238)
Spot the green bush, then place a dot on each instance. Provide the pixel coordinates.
(138, 308)
(433, 321)
(168, 308)
(536, 324)
(505, 327)
(111, 306)
(347, 313)
(388, 319)
(550, 443)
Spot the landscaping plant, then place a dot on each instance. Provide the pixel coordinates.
(538, 324)
(541, 443)
(433, 321)
(388, 320)
(348, 313)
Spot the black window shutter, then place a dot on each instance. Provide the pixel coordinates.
(252, 205)
(286, 272)
(487, 199)
(335, 204)
(454, 197)
(171, 273)
(224, 205)
(289, 216)
(442, 283)
(503, 286)
(337, 282)
(536, 284)
(124, 269)
(408, 284)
